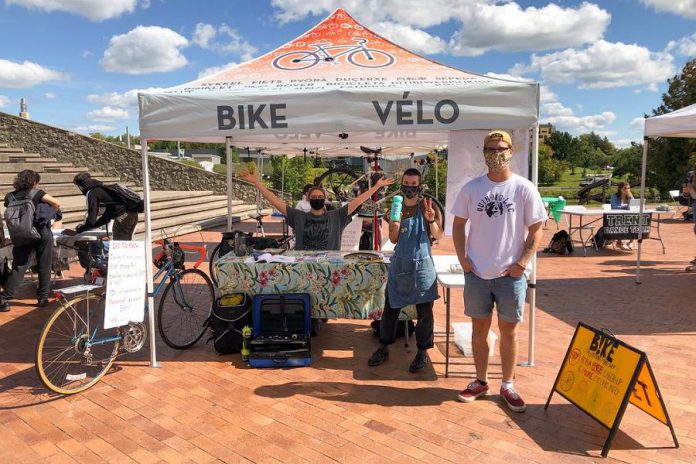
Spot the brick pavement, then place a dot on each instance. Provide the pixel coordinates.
(201, 407)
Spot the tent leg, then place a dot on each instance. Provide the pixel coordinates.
(228, 154)
(148, 257)
(643, 168)
(532, 277)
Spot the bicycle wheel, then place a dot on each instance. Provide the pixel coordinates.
(73, 351)
(339, 182)
(185, 308)
(370, 58)
(295, 61)
(439, 210)
(211, 264)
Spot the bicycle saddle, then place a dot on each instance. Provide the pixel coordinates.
(371, 151)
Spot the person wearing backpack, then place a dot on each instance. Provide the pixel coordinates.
(28, 236)
(115, 206)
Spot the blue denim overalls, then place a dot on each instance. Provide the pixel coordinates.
(411, 278)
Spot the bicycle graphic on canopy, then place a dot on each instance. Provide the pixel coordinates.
(357, 55)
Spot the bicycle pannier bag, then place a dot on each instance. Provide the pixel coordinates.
(129, 198)
(230, 314)
(19, 218)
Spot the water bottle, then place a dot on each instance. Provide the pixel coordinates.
(395, 214)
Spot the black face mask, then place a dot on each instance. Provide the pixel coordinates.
(317, 203)
(410, 191)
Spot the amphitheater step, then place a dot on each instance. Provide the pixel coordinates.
(160, 199)
(204, 219)
(7, 149)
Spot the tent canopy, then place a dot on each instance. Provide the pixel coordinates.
(337, 85)
(679, 123)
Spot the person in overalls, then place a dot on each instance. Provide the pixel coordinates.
(411, 278)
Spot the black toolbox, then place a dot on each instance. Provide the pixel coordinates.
(281, 331)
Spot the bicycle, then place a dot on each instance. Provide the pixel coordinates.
(74, 351)
(358, 55)
(286, 242)
(345, 184)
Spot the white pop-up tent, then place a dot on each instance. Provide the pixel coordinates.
(339, 85)
(678, 123)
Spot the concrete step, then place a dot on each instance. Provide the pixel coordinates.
(24, 157)
(7, 149)
(204, 219)
(4, 145)
(16, 166)
(62, 189)
(161, 210)
(159, 199)
(54, 178)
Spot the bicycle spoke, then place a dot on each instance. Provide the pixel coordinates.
(185, 308)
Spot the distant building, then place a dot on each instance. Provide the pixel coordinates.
(545, 131)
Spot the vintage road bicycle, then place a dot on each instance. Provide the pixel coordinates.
(74, 351)
(357, 55)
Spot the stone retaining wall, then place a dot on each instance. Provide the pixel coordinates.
(114, 160)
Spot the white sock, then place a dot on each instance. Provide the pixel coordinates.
(507, 385)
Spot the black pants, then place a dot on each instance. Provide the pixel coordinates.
(424, 329)
(21, 258)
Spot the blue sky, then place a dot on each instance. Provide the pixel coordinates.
(602, 64)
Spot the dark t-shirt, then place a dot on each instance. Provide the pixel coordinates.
(38, 196)
(318, 232)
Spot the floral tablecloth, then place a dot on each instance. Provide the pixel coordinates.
(339, 288)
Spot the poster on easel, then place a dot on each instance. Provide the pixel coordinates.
(125, 286)
(601, 375)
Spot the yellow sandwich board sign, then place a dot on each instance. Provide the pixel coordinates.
(601, 374)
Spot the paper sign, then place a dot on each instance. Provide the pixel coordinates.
(350, 239)
(596, 374)
(125, 287)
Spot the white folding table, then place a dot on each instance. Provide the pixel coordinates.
(448, 280)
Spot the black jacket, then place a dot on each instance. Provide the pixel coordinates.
(97, 197)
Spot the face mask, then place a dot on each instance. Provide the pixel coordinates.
(409, 191)
(317, 203)
(498, 161)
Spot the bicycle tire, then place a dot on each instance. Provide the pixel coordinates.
(214, 256)
(334, 179)
(74, 374)
(301, 55)
(378, 63)
(193, 312)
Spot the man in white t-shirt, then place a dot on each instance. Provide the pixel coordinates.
(505, 215)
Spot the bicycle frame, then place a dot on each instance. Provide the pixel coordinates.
(360, 46)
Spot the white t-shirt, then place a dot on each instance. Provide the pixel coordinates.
(499, 214)
(303, 205)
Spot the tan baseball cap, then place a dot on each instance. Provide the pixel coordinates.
(498, 134)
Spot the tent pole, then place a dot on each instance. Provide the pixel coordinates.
(228, 154)
(148, 255)
(532, 276)
(437, 184)
(282, 176)
(643, 168)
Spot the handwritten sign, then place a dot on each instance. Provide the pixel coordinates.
(625, 226)
(350, 239)
(125, 288)
(601, 375)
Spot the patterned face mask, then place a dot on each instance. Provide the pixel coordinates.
(410, 191)
(497, 160)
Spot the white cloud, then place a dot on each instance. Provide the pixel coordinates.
(547, 95)
(685, 46)
(623, 143)
(108, 113)
(145, 49)
(550, 27)
(416, 40)
(26, 74)
(93, 128)
(222, 39)
(214, 69)
(95, 10)
(120, 100)
(602, 65)
(679, 7)
(564, 118)
(4, 101)
(638, 124)
(50, 95)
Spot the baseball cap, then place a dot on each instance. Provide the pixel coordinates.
(498, 134)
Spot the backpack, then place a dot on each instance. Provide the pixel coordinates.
(599, 239)
(19, 218)
(230, 314)
(127, 197)
(560, 243)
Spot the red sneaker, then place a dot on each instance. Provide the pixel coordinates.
(512, 399)
(473, 391)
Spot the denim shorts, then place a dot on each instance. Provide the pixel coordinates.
(508, 294)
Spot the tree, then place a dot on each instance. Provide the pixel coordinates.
(298, 172)
(668, 158)
(562, 144)
(550, 169)
(628, 161)
(429, 178)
